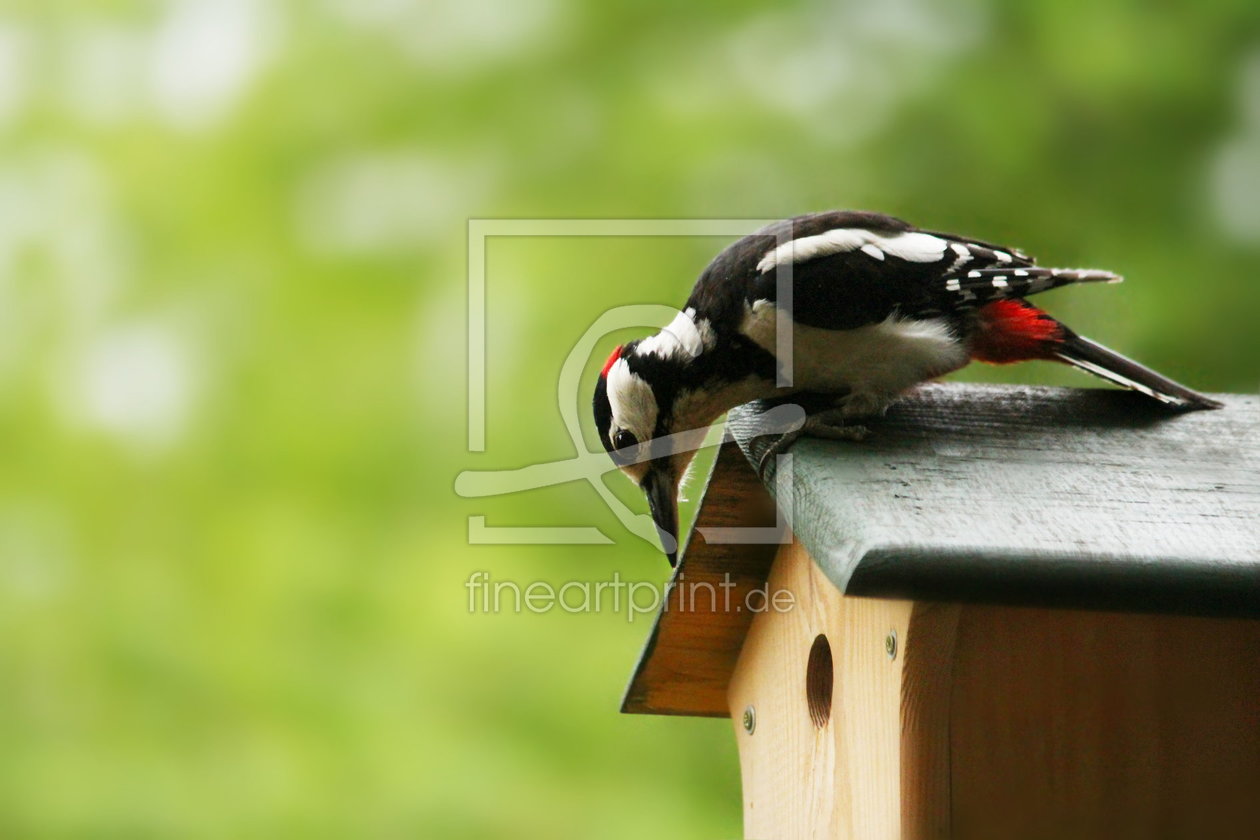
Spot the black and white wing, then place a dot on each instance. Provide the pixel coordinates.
(848, 269)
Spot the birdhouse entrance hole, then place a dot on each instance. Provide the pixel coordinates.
(818, 681)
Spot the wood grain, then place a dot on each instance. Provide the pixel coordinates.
(996, 722)
(687, 662)
(843, 779)
(926, 693)
(1068, 723)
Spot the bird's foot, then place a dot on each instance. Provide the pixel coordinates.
(833, 424)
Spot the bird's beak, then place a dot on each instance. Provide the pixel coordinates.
(658, 484)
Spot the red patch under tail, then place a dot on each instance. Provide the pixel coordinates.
(1015, 331)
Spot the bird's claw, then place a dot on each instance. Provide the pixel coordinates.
(827, 424)
(777, 447)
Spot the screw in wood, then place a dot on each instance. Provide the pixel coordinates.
(890, 644)
(750, 719)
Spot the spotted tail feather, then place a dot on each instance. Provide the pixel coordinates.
(1093, 357)
(984, 285)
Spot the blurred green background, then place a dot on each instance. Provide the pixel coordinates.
(232, 366)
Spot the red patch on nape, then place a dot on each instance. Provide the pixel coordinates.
(612, 358)
(1015, 331)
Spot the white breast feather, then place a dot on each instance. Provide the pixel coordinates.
(887, 357)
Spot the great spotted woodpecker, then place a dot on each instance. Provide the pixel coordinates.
(877, 306)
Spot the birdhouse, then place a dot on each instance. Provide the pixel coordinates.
(1008, 613)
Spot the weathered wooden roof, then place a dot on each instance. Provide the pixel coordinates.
(1014, 495)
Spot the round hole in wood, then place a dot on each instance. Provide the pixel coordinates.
(819, 678)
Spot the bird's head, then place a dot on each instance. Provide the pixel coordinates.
(652, 420)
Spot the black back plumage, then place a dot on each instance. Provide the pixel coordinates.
(853, 288)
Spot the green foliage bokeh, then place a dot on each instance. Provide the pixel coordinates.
(232, 356)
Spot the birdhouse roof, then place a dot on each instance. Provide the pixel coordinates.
(1014, 495)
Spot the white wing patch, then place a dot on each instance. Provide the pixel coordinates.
(912, 247)
(684, 335)
(632, 401)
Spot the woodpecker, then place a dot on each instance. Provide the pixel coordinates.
(877, 306)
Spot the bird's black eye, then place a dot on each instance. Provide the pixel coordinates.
(624, 439)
